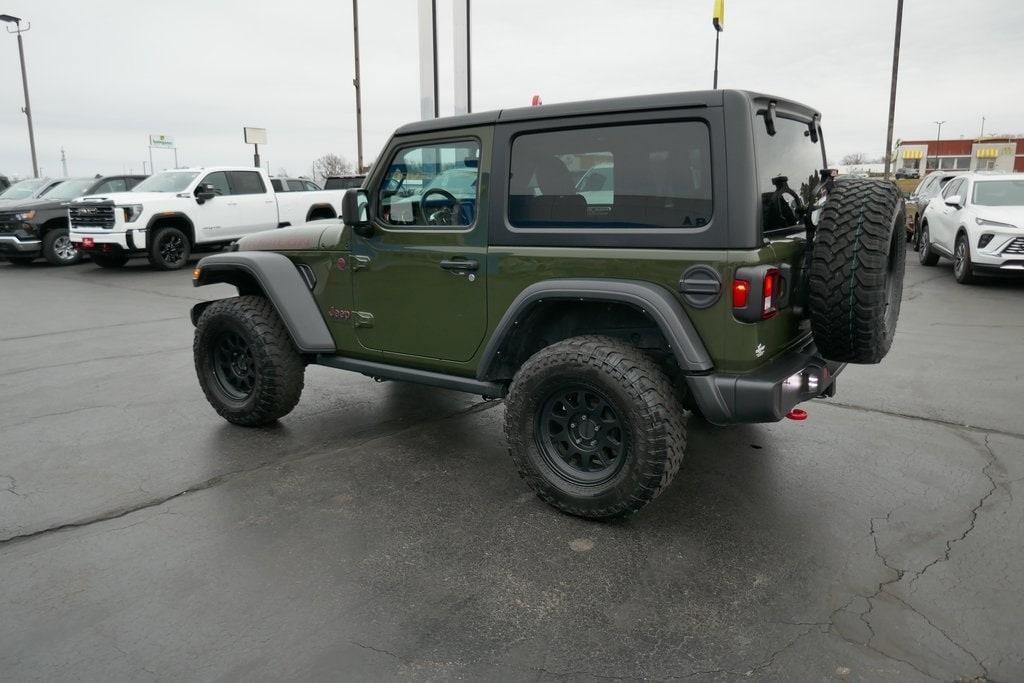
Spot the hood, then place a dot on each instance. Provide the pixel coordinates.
(1014, 215)
(28, 204)
(323, 234)
(125, 198)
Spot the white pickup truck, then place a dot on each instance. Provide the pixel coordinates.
(172, 213)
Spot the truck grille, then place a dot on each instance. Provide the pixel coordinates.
(7, 216)
(1015, 247)
(92, 215)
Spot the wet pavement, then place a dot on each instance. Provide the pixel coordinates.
(380, 530)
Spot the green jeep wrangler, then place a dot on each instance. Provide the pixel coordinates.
(606, 267)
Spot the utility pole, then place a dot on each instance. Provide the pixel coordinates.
(982, 127)
(144, 167)
(892, 88)
(64, 161)
(355, 82)
(27, 109)
(938, 137)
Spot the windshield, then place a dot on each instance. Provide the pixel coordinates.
(23, 190)
(168, 181)
(70, 189)
(999, 192)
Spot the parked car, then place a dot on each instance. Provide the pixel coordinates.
(28, 189)
(39, 227)
(5, 182)
(978, 223)
(171, 214)
(926, 190)
(282, 184)
(904, 172)
(600, 323)
(343, 182)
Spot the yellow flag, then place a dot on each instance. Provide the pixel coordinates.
(718, 18)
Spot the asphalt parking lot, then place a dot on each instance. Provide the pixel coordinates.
(380, 531)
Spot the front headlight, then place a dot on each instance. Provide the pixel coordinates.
(994, 224)
(25, 216)
(131, 212)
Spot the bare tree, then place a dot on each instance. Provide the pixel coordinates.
(330, 164)
(855, 158)
(282, 172)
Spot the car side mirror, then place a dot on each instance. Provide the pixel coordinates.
(954, 200)
(205, 193)
(355, 211)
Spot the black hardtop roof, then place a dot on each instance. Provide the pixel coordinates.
(677, 100)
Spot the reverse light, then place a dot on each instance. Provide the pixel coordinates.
(740, 292)
(131, 212)
(770, 291)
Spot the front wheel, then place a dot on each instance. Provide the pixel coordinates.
(593, 427)
(169, 249)
(58, 250)
(926, 256)
(963, 271)
(247, 365)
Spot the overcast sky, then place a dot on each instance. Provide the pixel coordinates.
(104, 74)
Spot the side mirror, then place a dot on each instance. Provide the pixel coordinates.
(954, 200)
(355, 212)
(205, 193)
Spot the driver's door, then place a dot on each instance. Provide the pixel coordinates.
(419, 278)
(214, 218)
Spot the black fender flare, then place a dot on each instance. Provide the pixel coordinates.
(282, 284)
(175, 215)
(657, 302)
(319, 207)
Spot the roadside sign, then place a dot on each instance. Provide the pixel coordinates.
(164, 141)
(255, 136)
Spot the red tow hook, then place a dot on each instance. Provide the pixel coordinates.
(797, 414)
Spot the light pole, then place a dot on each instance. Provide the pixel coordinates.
(938, 137)
(892, 87)
(358, 86)
(24, 83)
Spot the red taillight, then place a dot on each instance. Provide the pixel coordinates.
(740, 292)
(770, 292)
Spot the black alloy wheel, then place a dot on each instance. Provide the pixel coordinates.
(580, 435)
(232, 361)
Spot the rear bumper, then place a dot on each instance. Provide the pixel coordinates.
(768, 393)
(11, 244)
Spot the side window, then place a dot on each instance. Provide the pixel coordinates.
(295, 186)
(651, 175)
(246, 182)
(952, 188)
(219, 181)
(431, 186)
(925, 188)
(112, 185)
(277, 184)
(132, 182)
(311, 186)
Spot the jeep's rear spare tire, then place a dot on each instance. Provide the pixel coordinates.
(247, 366)
(594, 427)
(856, 277)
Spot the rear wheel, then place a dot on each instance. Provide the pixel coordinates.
(963, 271)
(247, 365)
(594, 428)
(109, 260)
(926, 256)
(58, 249)
(856, 278)
(169, 249)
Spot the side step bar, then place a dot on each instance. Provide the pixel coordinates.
(434, 379)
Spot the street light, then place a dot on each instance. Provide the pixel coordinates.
(24, 82)
(938, 138)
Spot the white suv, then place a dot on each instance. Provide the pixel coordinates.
(978, 222)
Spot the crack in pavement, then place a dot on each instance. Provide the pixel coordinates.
(90, 329)
(33, 418)
(94, 359)
(921, 418)
(376, 649)
(118, 513)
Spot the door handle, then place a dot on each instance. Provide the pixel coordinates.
(460, 264)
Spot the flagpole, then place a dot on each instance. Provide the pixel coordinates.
(717, 34)
(718, 21)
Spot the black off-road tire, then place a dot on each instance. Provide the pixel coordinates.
(640, 397)
(58, 249)
(856, 279)
(169, 249)
(261, 346)
(926, 256)
(963, 270)
(109, 260)
(21, 260)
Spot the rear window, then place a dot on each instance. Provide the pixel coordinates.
(296, 186)
(652, 175)
(787, 160)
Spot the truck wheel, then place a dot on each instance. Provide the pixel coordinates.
(169, 249)
(926, 256)
(58, 249)
(247, 365)
(109, 260)
(856, 278)
(593, 427)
